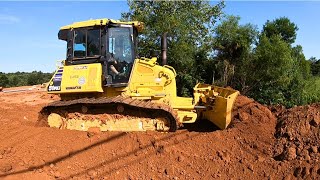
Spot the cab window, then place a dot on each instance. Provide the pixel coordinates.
(86, 43)
(120, 48)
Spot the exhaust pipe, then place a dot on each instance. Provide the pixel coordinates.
(164, 48)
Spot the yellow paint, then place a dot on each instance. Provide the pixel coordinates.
(187, 116)
(102, 22)
(79, 79)
(148, 79)
(219, 110)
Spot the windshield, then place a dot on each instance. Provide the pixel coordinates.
(86, 43)
(120, 48)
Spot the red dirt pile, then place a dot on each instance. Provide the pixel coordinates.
(256, 123)
(298, 139)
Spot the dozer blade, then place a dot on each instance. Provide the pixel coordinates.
(221, 113)
(219, 103)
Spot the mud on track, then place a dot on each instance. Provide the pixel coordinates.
(257, 145)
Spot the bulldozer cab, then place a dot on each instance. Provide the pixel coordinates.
(111, 44)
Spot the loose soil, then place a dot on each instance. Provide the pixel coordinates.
(260, 144)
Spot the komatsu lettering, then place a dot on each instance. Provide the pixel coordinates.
(73, 87)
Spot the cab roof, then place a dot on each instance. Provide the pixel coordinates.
(101, 22)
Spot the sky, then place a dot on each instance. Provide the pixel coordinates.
(29, 29)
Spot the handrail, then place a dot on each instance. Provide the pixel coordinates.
(172, 69)
(59, 63)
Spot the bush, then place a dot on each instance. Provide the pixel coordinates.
(311, 91)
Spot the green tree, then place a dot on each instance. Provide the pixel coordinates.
(300, 73)
(272, 70)
(14, 80)
(25, 78)
(315, 66)
(4, 81)
(311, 91)
(189, 26)
(313, 59)
(282, 27)
(303, 67)
(233, 46)
(37, 77)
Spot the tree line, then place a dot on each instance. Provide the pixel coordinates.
(23, 78)
(206, 45)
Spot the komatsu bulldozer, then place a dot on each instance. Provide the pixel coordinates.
(104, 84)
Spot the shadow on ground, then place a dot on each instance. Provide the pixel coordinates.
(201, 125)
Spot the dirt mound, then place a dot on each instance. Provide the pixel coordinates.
(256, 125)
(298, 138)
(248, 110)
(298, 133)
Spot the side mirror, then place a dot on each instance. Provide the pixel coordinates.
(63, 34)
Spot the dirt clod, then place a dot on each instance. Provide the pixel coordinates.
(93, 131)
(57, 174)
(250, 167)
(5, 168)
(315, 121)
(290, 153)
(180, 158)
(51, 166)
(92, 173)
(314, 149)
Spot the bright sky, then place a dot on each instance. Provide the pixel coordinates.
(29, 29)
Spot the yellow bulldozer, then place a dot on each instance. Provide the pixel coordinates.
(104, 84)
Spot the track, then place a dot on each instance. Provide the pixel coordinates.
(133, 109)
